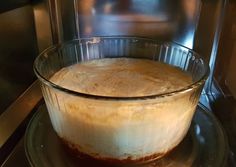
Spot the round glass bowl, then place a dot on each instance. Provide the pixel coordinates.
(120, 129)
(204, 145)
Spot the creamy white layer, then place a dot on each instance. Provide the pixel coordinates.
(122, 77)
(121, 129)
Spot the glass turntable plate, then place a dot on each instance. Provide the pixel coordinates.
(204, 146)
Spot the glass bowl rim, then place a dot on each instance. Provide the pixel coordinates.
(187, 88)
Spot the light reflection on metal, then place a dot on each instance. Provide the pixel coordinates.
(18, 111)
(221, 7)
(197, 129)
(107, 8)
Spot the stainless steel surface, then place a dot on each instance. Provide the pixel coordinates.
(18, 48)
(165, 19)
(42, 25)
(225, 70)
(11, 4)
(18, 111)
(210, 26)
(62, 20)
(24, 31)
(17, 157)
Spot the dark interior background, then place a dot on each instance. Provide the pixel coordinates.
(18, 48)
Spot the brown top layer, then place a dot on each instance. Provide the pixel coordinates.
(122, 77)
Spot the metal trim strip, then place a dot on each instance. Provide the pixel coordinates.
(18, 111)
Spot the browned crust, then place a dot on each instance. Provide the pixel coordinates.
(72, 150)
